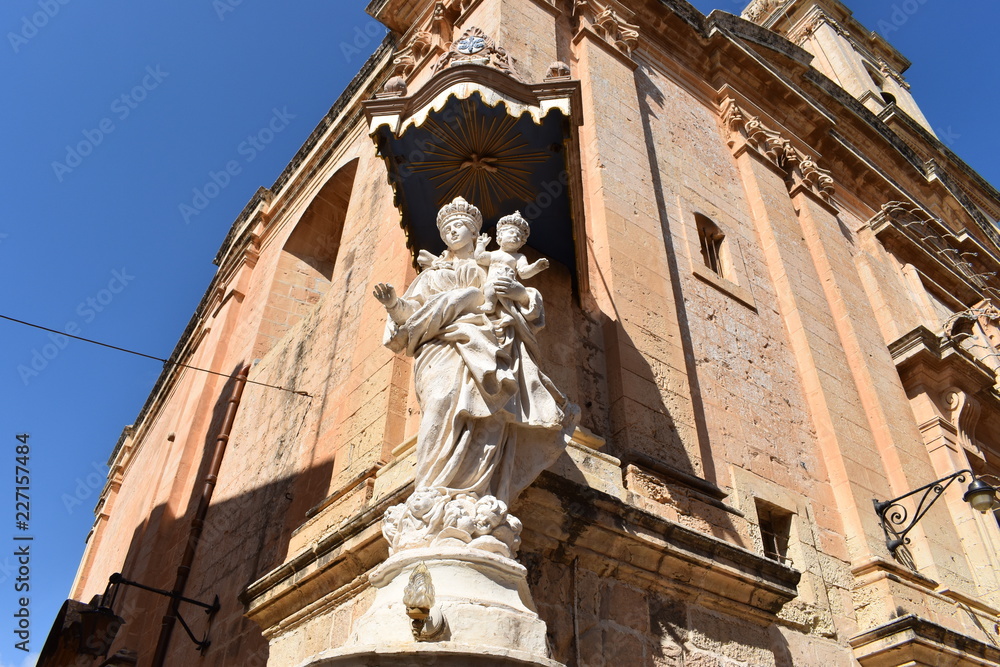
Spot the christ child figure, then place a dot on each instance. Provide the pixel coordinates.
(507, 262)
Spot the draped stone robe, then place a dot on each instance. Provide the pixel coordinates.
(491, 420)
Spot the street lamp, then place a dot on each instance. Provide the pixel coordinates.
(894, 517)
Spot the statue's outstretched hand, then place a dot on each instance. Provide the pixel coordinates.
(386, 294)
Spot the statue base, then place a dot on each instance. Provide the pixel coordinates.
(481, 600)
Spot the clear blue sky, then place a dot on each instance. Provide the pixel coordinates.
(99, 243)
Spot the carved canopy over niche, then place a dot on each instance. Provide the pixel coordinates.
(474, 129)
(749, 132)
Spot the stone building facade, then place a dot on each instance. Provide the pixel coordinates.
(772, 293)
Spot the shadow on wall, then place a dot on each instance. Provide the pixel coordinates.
(243, 537)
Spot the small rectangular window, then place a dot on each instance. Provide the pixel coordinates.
(711, 238)
(775, 528)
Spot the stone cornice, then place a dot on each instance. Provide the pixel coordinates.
(914, 640)
(577, 521)
(570, 517)
(959, 263)
(923, 357)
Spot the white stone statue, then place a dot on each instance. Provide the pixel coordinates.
(491, 420)
(507, 262)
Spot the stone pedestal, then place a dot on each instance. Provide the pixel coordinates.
(489, 617)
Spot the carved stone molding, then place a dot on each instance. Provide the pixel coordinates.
(758, 10)
(818, 19)
(749, 132)
(964, 415)
(608, 22)
(890, 73)
(416, 48)
(977, 331)
(475, 47)
(969, 261)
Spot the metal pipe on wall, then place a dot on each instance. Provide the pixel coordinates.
(198, 522)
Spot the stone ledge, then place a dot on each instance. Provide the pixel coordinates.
(911, 640)
(576, 522)
(443, 654)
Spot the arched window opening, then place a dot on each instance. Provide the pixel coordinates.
(712, 244)
(305, 266)
(879, 81)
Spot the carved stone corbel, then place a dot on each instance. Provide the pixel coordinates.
(964, 411)
(747, 131)
(608, 23)
(558, 71)
(890, 73)
(977, 331)
(624, 36)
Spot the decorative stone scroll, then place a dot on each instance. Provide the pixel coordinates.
(758, 10)
(609, 24)
(406, 60)
(933, 237)
(617, 31)
(889, 72)
(746, 131)
(558, 71)
(964, 411)
(977, 331)
(819, 18)
(477, 48)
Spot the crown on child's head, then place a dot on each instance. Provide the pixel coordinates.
(514, 220)
(460, 208)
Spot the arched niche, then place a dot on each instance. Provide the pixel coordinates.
(305, 266)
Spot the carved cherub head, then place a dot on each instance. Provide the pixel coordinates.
(422, 501)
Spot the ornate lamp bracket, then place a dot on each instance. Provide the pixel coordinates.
(895, 518)
(116, 580)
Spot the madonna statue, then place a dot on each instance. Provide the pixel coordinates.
(491, 420)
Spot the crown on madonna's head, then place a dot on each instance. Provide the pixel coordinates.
(515, 219)
(460, 208)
